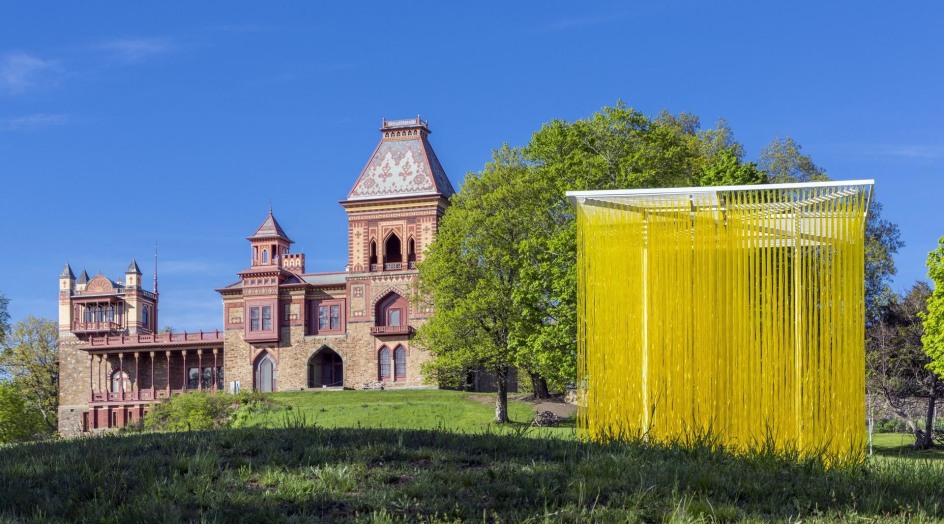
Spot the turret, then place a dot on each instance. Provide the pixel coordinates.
(269, 244)
(133, 275)
(66, 290)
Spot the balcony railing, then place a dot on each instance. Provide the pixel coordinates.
(159, 338)
(144, 395)
(95, 326)
(393, 266)
(390, 330)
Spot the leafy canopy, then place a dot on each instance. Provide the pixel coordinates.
(933, 319)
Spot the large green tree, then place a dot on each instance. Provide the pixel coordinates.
(18, 420)
(502, 273)
(29, 358)
(933, 318)
(898, 366)
(471, 272)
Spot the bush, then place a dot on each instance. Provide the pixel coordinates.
(191, 412)
(18, 420)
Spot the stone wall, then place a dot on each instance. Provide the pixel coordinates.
(357, 348)
(73, 385)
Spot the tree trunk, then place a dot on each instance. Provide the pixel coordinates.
(539, 386)
(501, 400)
(925, 439)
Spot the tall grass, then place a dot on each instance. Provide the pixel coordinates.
(386, 475)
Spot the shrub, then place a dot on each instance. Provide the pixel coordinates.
(191, 412)
(18, 421)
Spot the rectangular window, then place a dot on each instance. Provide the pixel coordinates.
(253, 319)
(393, 317)
(207, 378)
(266, 318)
(335, 317)
(322, 317)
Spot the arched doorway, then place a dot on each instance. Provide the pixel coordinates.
(265, 373)
(325, 369)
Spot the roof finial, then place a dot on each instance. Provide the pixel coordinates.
(270, 206)
(155, 267)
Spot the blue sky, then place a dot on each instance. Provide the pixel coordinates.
(179, 123)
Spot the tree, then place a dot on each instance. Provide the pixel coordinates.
(470, 273)
(17, 420)
(933, 318)
(897, 365)
(502, 273)
(29, 356)
(4, 317)
(783, 163)
(616, 148)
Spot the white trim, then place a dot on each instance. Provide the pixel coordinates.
(580, 196)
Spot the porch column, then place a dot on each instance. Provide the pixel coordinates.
(186, 378)
(152, 375)
(200, 369)
(137, 386)
(100, 373)
(91, 377)
(167, 354)
(121, 375)
(216, 379)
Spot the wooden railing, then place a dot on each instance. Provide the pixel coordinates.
(390, 330)
(158, 338)
(95, 326)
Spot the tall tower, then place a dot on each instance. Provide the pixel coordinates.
(393, 216)
(66, 290)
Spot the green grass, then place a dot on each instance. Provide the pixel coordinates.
(466, 470)
(407, 409)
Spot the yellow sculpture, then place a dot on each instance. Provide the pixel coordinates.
(735, 312)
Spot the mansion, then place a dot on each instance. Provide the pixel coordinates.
(284, 329)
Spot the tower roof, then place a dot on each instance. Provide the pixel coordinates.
(133, 268)
(403, 165)
(67, 272)
(83, 278)
(270, 228)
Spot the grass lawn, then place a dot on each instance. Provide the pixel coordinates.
(328, 469)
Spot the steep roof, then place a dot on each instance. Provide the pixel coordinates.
(83, 278)
(133, 267)
(67, 272)
(270, 228)
(403, 165)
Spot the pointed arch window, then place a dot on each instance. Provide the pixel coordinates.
(392, 249)
(399, 363)
(373, 252)
(383, 363)
(411, 251)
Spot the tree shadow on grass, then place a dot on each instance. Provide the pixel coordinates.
(312, 474)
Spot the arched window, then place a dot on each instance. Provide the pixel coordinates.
(144, 317)
(411, 250)
(383, 364)
(120, 382)
(391, 311)
(265, 374)
(373, 252)
(265, 256)
(399, 363)
(392, 249)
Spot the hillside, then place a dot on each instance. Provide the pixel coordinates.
(467, 472)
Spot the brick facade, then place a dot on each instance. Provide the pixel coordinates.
(283, 329)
